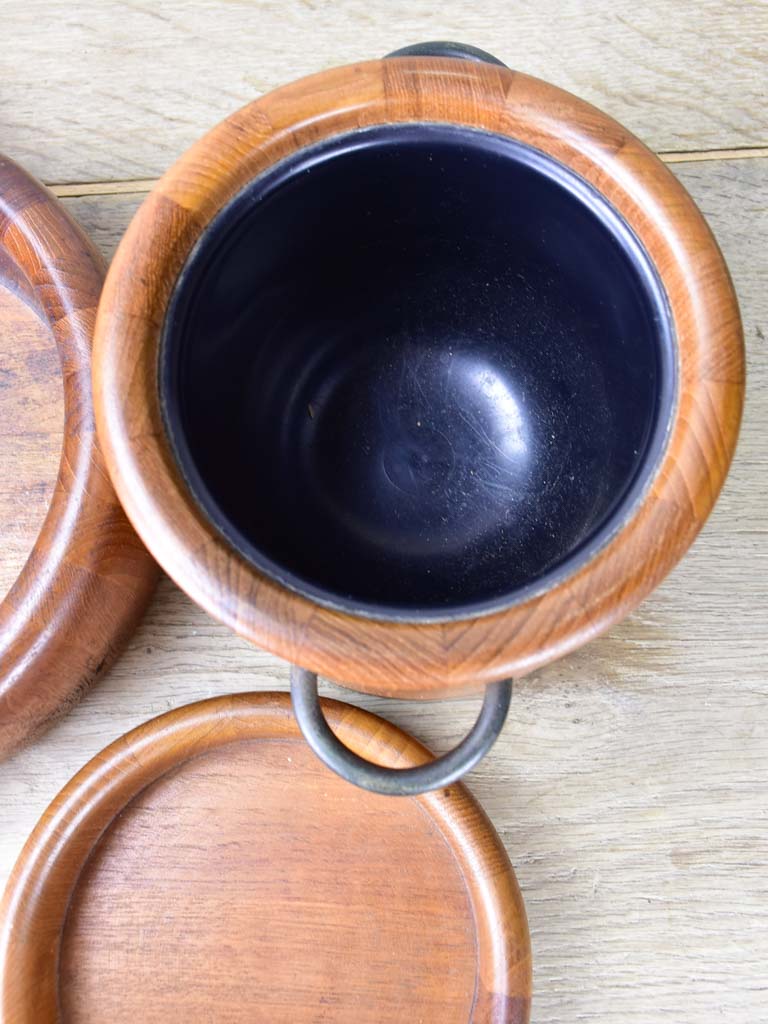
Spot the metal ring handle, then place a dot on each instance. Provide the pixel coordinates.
(396, 781)
(446, 48)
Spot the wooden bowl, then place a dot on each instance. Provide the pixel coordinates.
(78, 576)
(400, 650)
(207, 867)
(546, 378)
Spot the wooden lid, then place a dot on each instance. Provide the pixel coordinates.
(74, 577)
(207, 867)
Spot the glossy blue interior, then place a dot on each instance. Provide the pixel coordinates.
(418, 371)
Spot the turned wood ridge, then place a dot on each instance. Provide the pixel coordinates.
(88, 577)
(396, 658)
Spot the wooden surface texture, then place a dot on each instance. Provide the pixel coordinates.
(631, 783)
(148, 78)
(31, 427)
(85, 577)
(208, 867)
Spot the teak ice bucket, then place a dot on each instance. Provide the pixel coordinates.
(419, 373)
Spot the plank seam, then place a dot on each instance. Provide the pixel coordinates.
(78, 189)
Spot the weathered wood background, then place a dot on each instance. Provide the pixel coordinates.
(631, 783)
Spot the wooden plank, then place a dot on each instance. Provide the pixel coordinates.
(103, 91)
(631, 782)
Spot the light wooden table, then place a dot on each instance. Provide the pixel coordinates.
(631, 783)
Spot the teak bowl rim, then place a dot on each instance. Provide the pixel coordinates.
(38, 893)
(420, 658)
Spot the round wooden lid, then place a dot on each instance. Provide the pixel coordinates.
(74, 577)
(207, 867)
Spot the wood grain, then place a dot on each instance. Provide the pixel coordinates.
(630, 785)
(207, 866)
(98, 91)
(417, 658)
(86, 577)
(31, 429)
